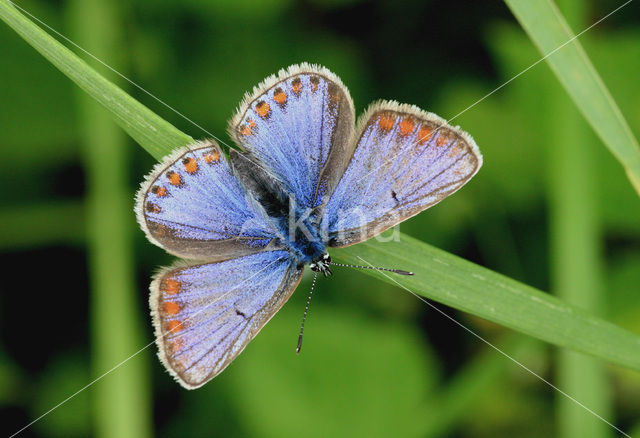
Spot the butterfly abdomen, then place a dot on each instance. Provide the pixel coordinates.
(300, 234)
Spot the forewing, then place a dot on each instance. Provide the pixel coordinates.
(405, 161)
(204, 315)
(297, 126)
(193, 206)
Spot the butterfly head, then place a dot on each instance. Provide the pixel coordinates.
(321, 264)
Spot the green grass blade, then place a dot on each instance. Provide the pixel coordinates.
(576, 254)
(152, 132)
(121, 403)
(577, 266)
(446, 278)
(548, 30)
(439, 275)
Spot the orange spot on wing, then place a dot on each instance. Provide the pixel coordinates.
(442, 140)
(406, 126)
(296, 86)
(174, 178)
(263, 109)
(211, 157)
(386, 122)
(174, 326)
(172, 286)
(424, 134)
(280, 96)
(190, 165)
(248, 128)
(159, 191)
(153, 208)
(171, 307)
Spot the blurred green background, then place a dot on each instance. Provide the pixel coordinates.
(551, 207)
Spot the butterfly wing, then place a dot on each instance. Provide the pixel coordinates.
(204, 315)
(194, 206)
(405, 161)
(297, 126)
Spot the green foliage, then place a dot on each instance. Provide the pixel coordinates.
(366, 367)
(149, 130)
(346, 372)
(439, 275)
(64, 376)
(121, 406)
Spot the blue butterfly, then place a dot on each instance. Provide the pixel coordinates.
(306, 178)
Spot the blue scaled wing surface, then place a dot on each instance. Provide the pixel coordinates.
(297, 128)
(193, 205)
(205, 314)
(405, 160)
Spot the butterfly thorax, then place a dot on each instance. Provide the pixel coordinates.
(296, 224)
(299, 232)
(302, 237)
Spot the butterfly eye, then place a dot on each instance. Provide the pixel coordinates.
(326, 258)
(313, 267)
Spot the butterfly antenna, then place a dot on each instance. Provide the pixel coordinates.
(306, 311)
(395, 271)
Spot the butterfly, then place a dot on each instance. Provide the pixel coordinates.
(306, 177)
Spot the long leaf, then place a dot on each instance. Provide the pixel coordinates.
(439, 275)
(548, 30)
(458, 283)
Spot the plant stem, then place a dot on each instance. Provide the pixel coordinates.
(121, 403)
(576, 263)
